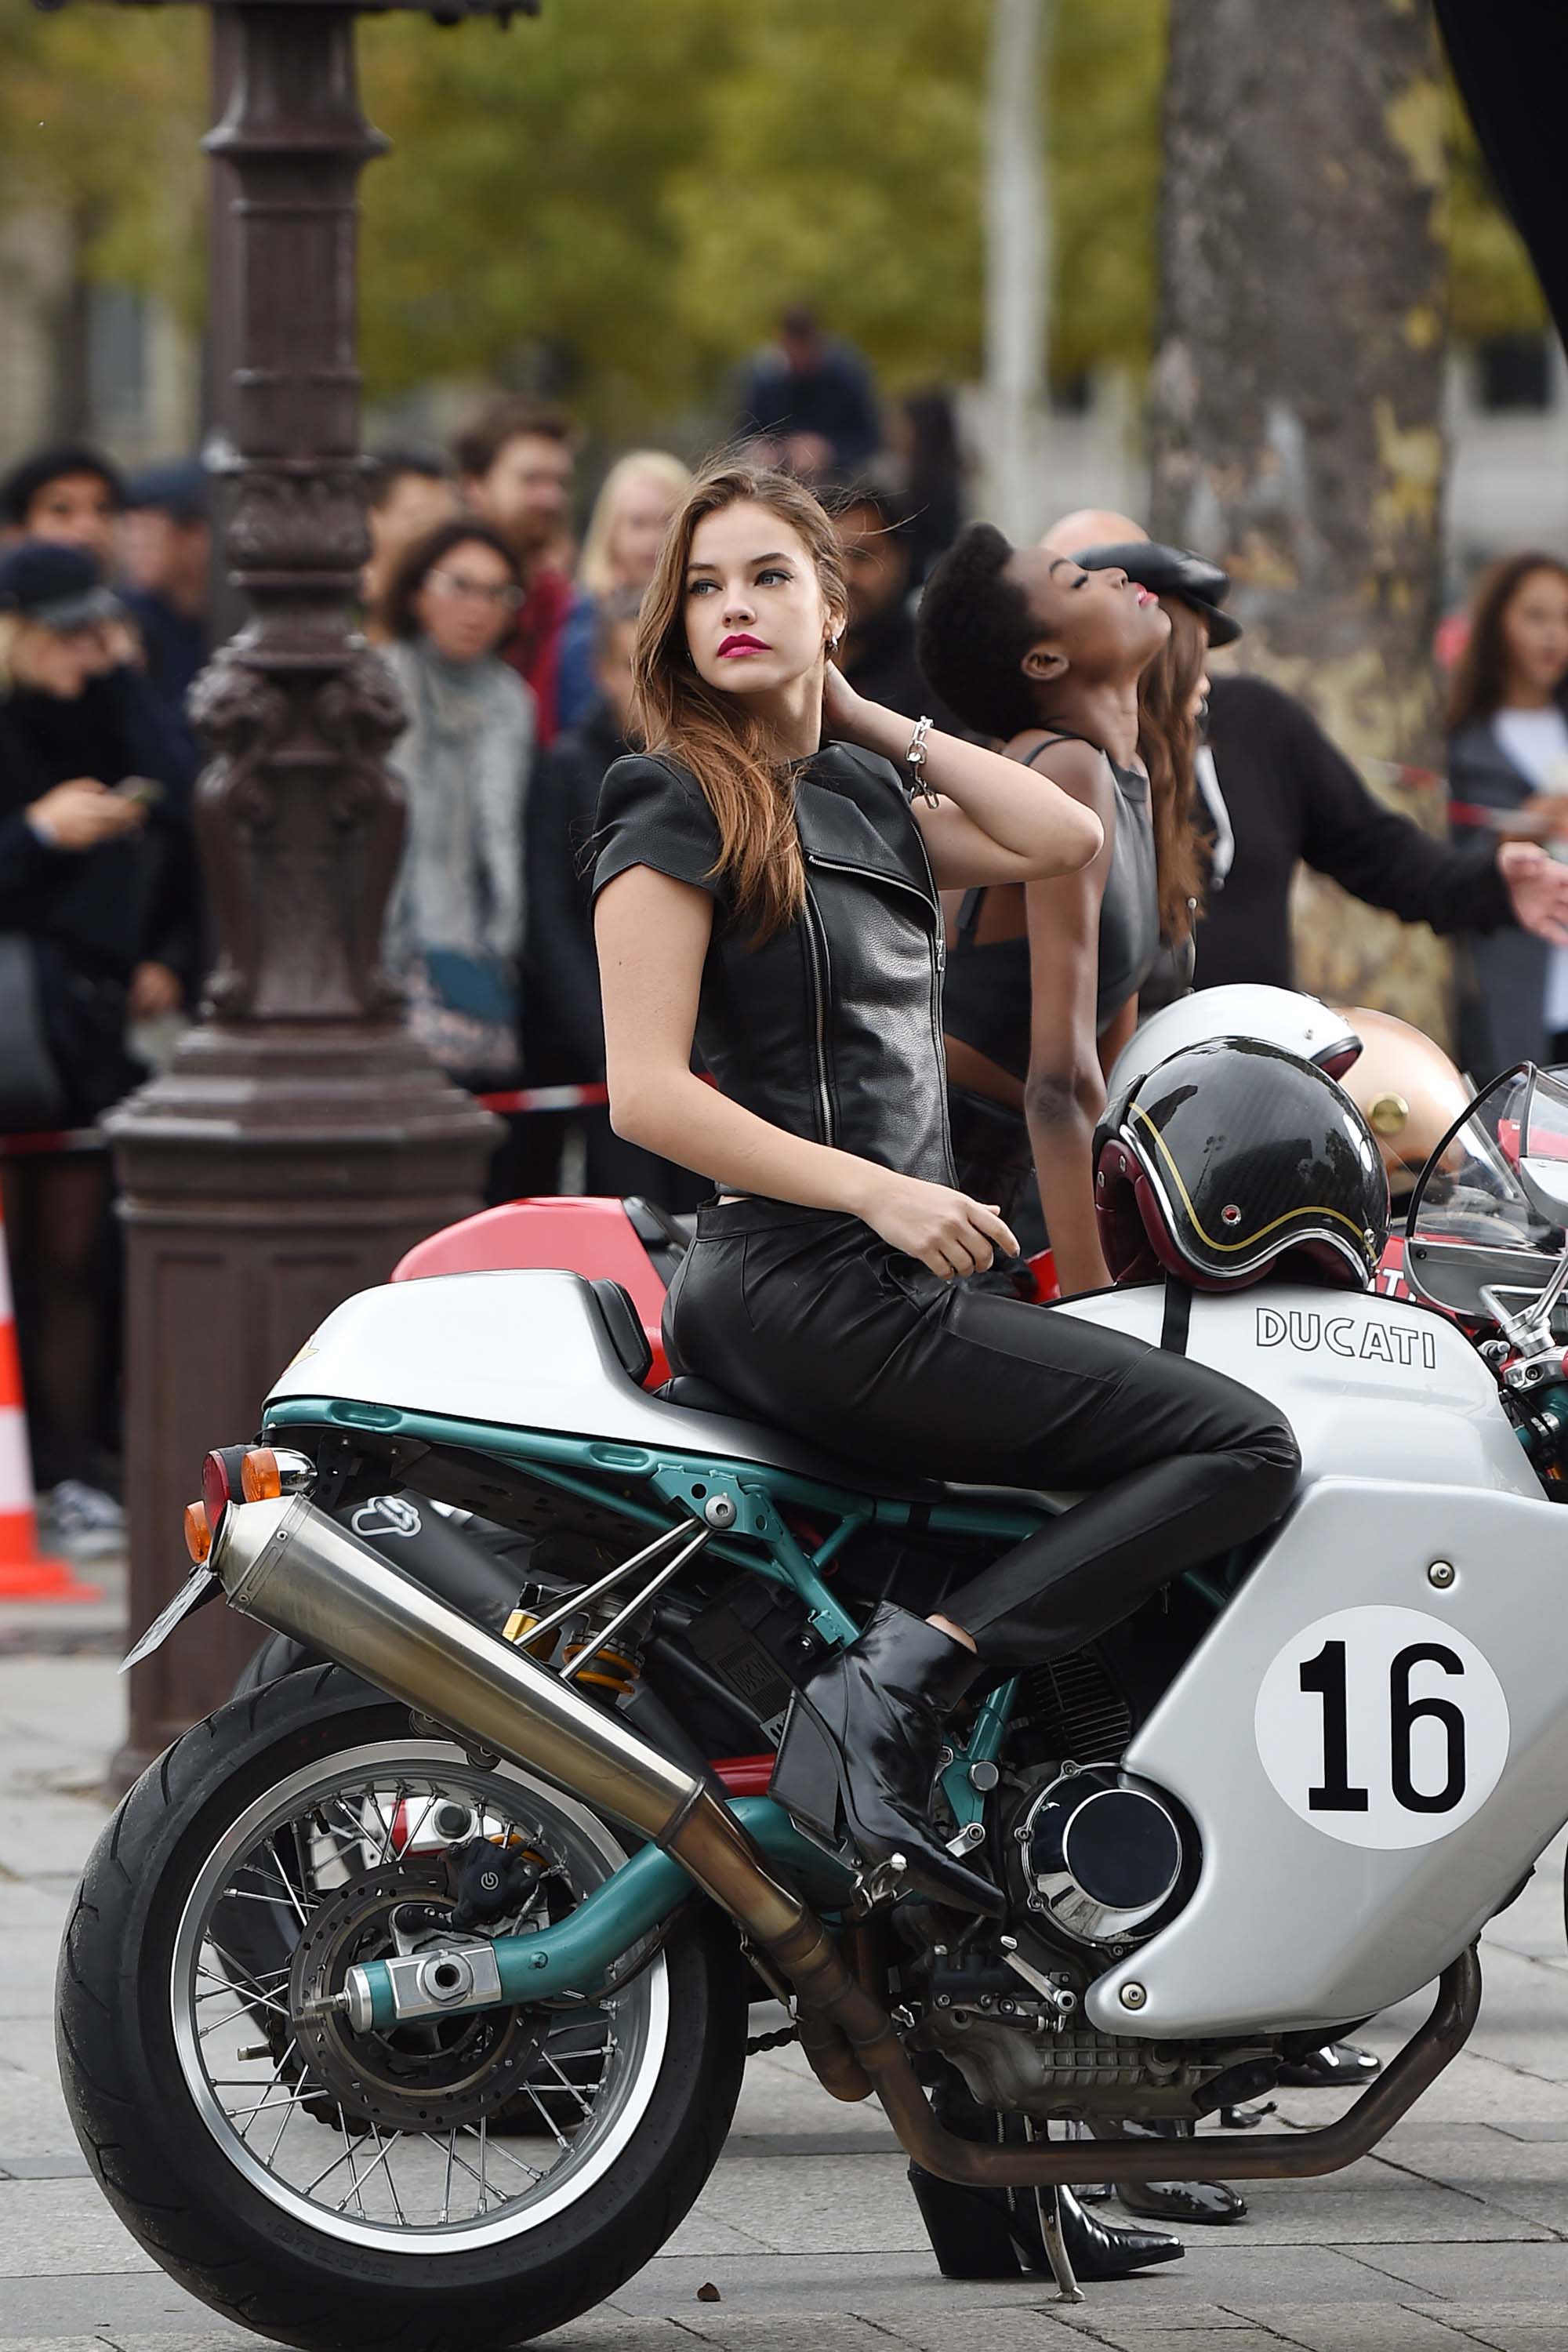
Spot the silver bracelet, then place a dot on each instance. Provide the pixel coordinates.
(915, 761)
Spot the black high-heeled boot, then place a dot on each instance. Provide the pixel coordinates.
(859, 1750)
(991, 2233)
(1182, 2201)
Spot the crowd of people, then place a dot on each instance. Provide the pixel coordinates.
(512, 633)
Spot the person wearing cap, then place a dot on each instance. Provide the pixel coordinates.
(83, 944)
(165, 559)
(1276, 791)
(70, 495)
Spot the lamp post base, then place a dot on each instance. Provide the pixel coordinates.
(266, 1175)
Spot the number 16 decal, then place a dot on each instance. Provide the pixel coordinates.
(1382, 1727)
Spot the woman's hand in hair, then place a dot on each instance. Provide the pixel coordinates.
(945, 1230)
(82, 814)
(841, 706)
(995, 820)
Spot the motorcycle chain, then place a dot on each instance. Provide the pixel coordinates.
(761, 2042)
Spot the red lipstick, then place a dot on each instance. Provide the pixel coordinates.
(741, 643)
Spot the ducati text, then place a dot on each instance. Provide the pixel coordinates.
(1370, 1342)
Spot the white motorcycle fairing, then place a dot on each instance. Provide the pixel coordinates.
(1371, 1740)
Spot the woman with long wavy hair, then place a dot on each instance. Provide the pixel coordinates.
(1508, 768)
(766, 891)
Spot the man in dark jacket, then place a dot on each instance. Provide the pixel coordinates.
(1289, 794)
(809, 402)
(1277, 790)
(563, 1028)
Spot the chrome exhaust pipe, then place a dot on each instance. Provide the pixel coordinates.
(290, 1566)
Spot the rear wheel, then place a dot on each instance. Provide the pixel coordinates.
(330, 2189)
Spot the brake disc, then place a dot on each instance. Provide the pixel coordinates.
(426, 2075)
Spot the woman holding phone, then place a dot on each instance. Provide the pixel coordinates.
(96, 913)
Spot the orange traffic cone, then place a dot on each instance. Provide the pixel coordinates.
(25, 1573)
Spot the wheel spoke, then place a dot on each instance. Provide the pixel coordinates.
(246, 1895)
(354, 2169)
(265, 2096)
(275, 2106)
(550, 2122)
(391, 2183)
(534, 2171)
(361, 2178)
(287, 1881)
(365, 1824)
(566, 2082)
(249, 1985)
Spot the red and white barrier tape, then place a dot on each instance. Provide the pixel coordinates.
(511, 1100)
(523, 1098)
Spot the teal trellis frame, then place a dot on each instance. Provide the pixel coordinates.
(756, 1538)
(956, 1781)
(576, 1956)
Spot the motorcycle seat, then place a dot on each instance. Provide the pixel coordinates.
(705, 1396)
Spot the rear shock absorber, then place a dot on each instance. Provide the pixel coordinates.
(616, 1672)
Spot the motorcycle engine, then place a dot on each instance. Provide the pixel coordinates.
(1095, 1861)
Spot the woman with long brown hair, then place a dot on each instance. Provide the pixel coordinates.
(771, 897)
(1508, 752)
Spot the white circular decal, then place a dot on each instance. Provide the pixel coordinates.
(1381, 1727)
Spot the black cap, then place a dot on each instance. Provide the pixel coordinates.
(58, 587)
(33, 474)
(178, 487)
(1170, 571)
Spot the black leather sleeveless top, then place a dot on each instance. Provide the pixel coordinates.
(832, 1029)
(988, 1001)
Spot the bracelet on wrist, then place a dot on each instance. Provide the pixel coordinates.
(915, 761)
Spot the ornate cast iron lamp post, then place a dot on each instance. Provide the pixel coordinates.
(299, 1141)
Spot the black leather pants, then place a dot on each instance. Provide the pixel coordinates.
(813, 1323)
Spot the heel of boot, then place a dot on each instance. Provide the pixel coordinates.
(971, 2230)
(809, 1773)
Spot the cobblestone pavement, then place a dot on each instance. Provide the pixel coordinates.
(1456, 2233)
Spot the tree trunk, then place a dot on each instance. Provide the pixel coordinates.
(1297, 426)
(1017, 264)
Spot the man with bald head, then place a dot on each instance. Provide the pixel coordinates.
(1091, 527)
(1277, 790)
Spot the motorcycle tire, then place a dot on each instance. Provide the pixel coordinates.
(169, 2157)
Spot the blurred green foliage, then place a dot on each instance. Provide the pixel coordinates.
(100, 116)
(635, 186)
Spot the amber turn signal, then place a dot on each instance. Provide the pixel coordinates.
(259, 1477)
(198, 1534)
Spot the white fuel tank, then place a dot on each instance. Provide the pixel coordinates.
(1374, 1387)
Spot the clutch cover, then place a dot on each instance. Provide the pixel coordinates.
(1104, 1857)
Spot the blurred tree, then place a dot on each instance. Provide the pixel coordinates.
(624, 193)
(526, 207)
(100, 116)
(1297, 387)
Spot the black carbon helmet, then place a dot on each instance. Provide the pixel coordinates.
(1230, 1156)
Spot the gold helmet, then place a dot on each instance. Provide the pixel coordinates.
(1406, 1089)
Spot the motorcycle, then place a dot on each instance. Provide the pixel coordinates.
(1285, 1795)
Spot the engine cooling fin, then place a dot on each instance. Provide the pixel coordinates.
(1073, 1709)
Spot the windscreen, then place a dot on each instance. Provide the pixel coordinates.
(1476, 1226)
